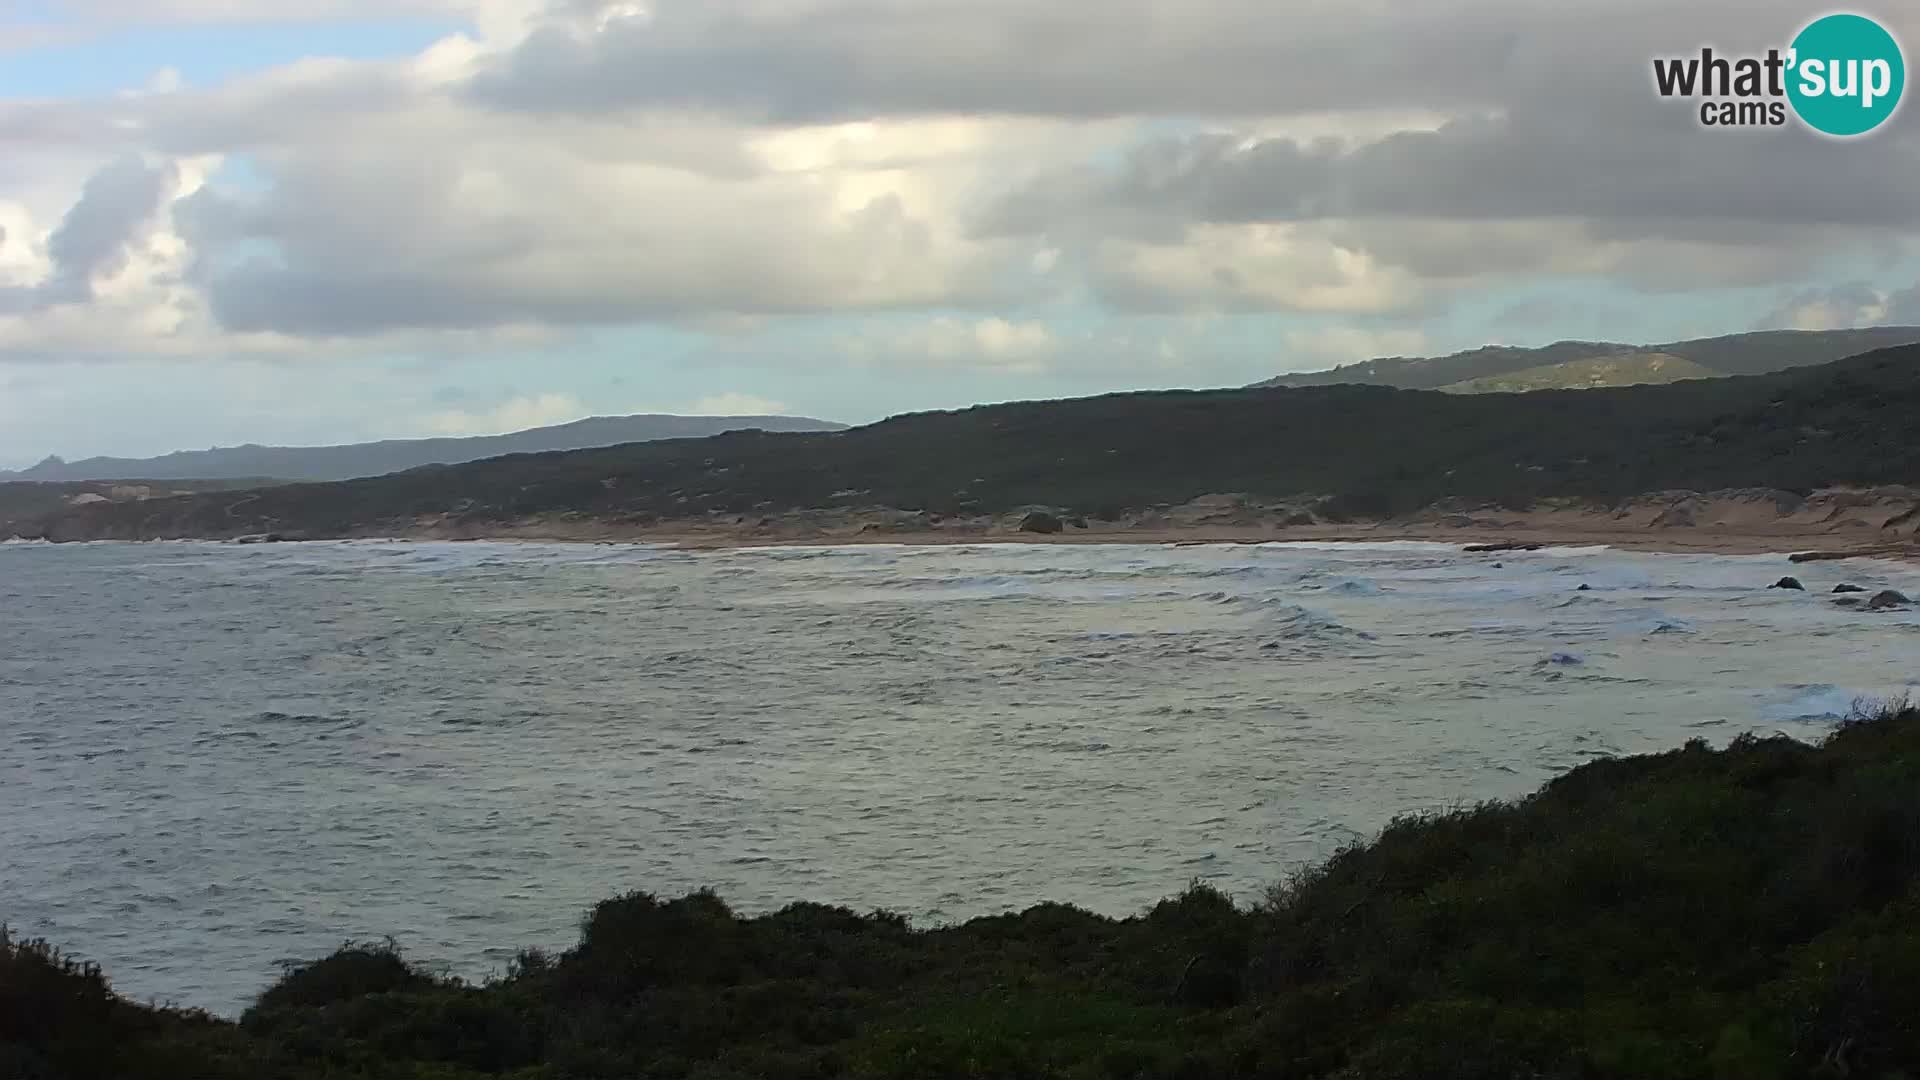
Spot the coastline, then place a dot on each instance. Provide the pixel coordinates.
(1693, 541)
(1829, 524)
(1881, 522)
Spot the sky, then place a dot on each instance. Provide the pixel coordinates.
(319, 221)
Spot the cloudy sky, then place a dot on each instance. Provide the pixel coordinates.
(302, 221)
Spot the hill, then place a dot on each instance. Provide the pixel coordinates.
(1751, 912)
(1624, 369)
(1374, 450)
(1479, 370)
(393, 455)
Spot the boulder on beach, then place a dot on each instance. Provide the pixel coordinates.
(1887, 600)
(1788, 583)
(1041, 522)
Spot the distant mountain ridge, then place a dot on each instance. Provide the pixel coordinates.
(1579, 365)
(1351, 452)
(354, 460)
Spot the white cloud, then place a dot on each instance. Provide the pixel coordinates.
(540, 410)
(1332, 346)
(514, 414)
(736, 404)
(929, 174)
(1276, 267)
(990, 343)
(1841, 307)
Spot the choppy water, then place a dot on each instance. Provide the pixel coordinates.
(213, 758)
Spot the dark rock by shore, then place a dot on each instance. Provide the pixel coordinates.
(1041, 522)
(1888, 600)
(1507, 545)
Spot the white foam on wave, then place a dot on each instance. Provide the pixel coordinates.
(1826, 702)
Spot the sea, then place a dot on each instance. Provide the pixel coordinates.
(218, 759)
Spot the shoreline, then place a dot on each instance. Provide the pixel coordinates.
(1828, 524)
(1793, 547)
(1783, 543)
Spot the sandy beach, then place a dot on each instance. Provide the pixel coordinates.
(1878, 523)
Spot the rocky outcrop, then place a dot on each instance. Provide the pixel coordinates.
(1788, 583)
(1681, 515)
(1888, 600)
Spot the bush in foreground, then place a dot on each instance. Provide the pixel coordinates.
(1747, 912)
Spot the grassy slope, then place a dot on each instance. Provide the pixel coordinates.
(1752, 913)
(1379, 450)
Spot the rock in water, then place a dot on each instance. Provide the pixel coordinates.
(1040, 522)
(1888, 600)
(1848, 588)
(1788, 583)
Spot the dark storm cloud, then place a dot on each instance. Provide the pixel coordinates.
(838, 59)
(96, 234)
(799, 60)
(1530, 163)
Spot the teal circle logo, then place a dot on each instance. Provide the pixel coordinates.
(1847, 75)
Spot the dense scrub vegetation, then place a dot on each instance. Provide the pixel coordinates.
(1746, 913)
(1378, 450)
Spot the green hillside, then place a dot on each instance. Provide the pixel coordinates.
(1619, 369)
